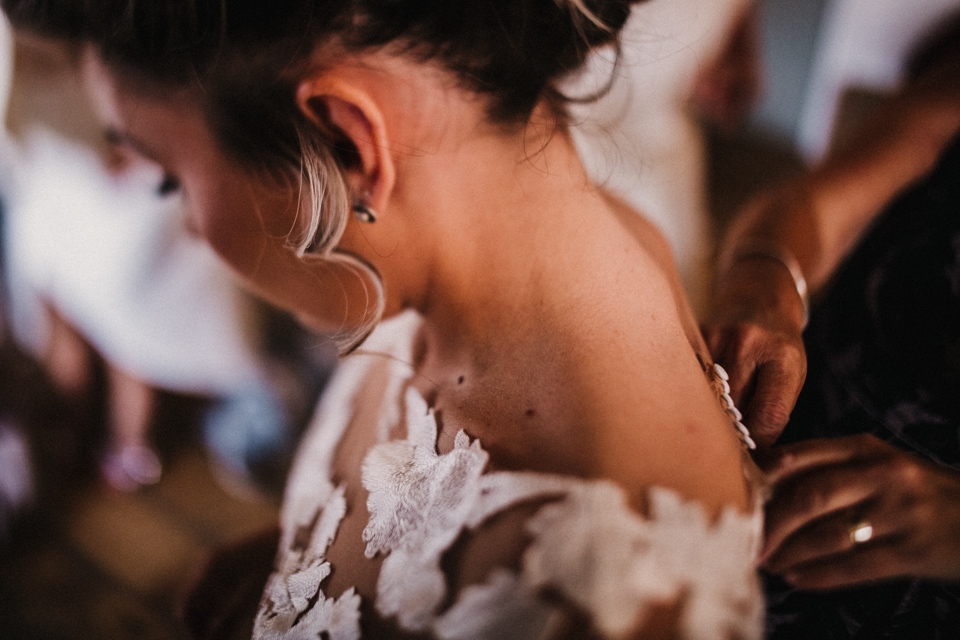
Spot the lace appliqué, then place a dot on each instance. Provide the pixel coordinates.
(418, 504)
(586, 545)
(293, 605)
(613, 563)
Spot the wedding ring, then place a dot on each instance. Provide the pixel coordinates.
(861, 532)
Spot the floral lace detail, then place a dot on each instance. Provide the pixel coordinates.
(419, 502)
(587, 545)
(286, 610)
(614, 563)
(313, 507)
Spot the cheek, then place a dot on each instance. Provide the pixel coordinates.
(249, 228)
(241, 220)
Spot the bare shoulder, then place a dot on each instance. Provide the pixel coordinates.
(653, 416)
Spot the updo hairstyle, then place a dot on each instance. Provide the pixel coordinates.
(247, 57)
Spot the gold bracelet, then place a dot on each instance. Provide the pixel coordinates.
(777, 254)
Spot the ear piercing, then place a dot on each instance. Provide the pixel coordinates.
(363, 213)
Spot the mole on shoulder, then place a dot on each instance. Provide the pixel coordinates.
(531, 413)
(460, 380)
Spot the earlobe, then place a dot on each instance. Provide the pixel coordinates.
(333, 102)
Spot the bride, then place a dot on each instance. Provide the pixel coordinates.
(534, 441)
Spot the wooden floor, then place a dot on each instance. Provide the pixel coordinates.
(92, 564)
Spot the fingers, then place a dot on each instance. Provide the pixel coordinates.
(736, 350)
(802, 502)
(777, 386)
(766, 372)
(823, 489)
(803, 457)
(828, 536)
(856, 539)
(877, 560)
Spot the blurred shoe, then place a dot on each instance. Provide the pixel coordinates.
(129, 467)
(16, 474)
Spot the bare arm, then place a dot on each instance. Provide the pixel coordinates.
(757, 318)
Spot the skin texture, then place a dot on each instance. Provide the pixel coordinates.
(820, 489)
(526, 276)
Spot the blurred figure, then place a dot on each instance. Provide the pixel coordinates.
(862, 45)
(679, 60)
(102, 271)
(16, 475)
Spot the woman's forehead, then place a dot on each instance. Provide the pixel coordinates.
(126, 111)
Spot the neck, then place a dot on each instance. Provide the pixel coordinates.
(510, 236)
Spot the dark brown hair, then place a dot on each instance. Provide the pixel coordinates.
(247, 56)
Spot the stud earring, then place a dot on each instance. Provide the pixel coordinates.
(363, 213)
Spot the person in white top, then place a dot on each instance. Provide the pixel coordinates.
(642, 139)
(100, 267)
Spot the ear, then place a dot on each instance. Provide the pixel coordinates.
(332, 101)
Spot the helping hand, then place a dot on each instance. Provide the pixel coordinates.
(849, 510)
(761, 347)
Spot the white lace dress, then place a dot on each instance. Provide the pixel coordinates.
(585, 542)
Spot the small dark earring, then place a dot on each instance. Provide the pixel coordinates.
(363, 213)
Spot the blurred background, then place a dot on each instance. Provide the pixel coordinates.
(149, 408)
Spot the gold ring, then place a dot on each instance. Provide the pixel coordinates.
(861, 532)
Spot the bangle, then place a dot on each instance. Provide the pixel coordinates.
(785, 258)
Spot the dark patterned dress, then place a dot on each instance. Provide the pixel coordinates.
(883, 348)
